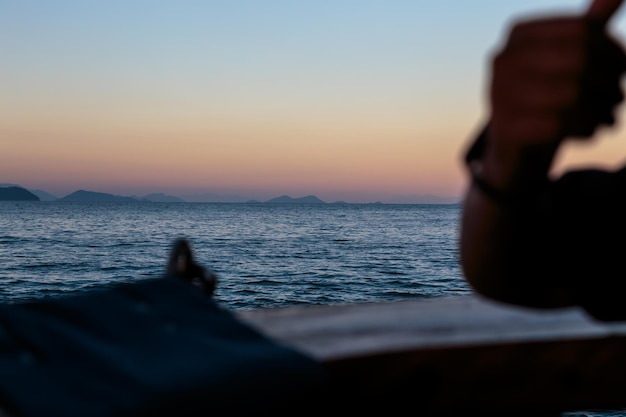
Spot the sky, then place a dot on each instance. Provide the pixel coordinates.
(353, 100)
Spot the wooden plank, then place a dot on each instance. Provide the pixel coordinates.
(459, 354)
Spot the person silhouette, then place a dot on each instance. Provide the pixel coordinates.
(528, 237)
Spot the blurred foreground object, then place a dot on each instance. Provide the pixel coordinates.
(156, 347)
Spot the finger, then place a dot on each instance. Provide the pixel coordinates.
(603, 10)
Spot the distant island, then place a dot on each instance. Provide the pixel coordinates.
(14, 192)
(94, 197)
(285, 199)
(162, 198)
(17, 194)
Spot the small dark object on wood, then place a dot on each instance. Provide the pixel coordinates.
(181, 265)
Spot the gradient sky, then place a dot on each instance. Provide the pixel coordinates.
(352, 100)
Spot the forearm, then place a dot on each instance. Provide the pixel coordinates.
(502, 224)
(502, 250)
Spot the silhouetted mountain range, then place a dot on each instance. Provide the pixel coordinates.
(94, 197)
(15, 192)
(285, 199)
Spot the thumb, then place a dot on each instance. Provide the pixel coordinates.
(603, 10)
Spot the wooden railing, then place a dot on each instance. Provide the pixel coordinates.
(459, 355)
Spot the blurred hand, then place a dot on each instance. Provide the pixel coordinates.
(555, 78)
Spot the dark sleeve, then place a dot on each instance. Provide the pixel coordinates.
(585, 215)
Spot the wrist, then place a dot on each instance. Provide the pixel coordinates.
(507, 179)
(520, 194)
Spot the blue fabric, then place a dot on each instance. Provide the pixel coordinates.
(155, 347)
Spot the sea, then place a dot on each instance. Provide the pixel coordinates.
(264, 255)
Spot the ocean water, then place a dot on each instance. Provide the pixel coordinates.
(265, 255)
